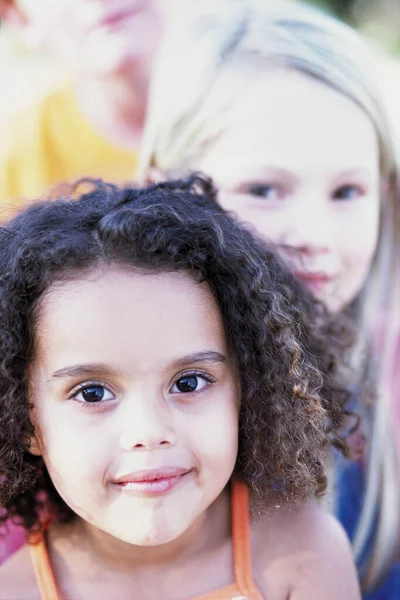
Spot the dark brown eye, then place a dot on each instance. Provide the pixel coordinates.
(187, 384)
(94, 394)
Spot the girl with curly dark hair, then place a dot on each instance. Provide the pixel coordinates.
(156, 372)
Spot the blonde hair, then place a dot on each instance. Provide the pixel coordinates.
(201, 83)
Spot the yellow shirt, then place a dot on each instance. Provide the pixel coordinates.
(51, 143)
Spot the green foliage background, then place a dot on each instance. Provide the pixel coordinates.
(378, 19)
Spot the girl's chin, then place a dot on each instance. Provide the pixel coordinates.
(150, 538)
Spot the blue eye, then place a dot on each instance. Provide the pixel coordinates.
(187, 384)
(267, 191)
(94, 393)
(347, 192)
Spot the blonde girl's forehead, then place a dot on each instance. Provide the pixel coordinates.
(317, 133)
(233, 42)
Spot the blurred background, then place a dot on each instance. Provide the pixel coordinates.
(27, 73)
(378, 19)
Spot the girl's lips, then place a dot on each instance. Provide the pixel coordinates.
(115, 18)
(152, 488)
(151, 483)
(313, 276)
(314, 280)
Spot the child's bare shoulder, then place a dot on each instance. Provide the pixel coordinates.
(303, 548)
(299, 526)
(17, 578)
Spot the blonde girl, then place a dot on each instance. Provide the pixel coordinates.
(279, 104)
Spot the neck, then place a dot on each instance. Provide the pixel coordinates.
(208, 531)
(114, 105)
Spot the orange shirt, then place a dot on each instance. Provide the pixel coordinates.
(243, 588)
(50, 143)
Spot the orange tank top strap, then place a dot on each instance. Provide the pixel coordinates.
(241, 541)
(43, 569)
(244, 587)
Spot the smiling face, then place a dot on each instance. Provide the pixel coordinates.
(304, 171)
(99, 36)
(132, 382)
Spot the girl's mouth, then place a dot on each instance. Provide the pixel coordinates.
(152, 483)
(316, 280)
(114, 19)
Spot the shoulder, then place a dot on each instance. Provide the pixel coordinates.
(305, 549)
(310, 527)
(17, 578)
(24, 143)
(23, 126)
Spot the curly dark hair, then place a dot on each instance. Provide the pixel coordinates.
(288, 352)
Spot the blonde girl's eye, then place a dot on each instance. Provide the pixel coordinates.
(265, 190)
(348, 192)
(191, 383)
(93, 394)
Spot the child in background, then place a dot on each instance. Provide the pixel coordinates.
(94, 123)
(156, 378)
(279, 105)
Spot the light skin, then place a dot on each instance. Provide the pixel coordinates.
(144, 421)
(110, 46)
(127, 344)
(302, 167)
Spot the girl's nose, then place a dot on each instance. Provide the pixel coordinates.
(146, 424)
(310, 232)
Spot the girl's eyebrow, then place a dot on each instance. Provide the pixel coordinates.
(206, 356)
(83, 370)
(267, 171)
(99, 369)
(356, 172)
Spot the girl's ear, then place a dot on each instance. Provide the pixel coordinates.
(154, 175)
(12, 14)
(34, 447)
(386, 187)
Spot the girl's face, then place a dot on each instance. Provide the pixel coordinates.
(135, 401)
(305, 172)
(99, 36)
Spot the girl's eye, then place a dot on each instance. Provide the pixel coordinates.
(94, 393)
(347, 192)
(269, 192)
(187, 384)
